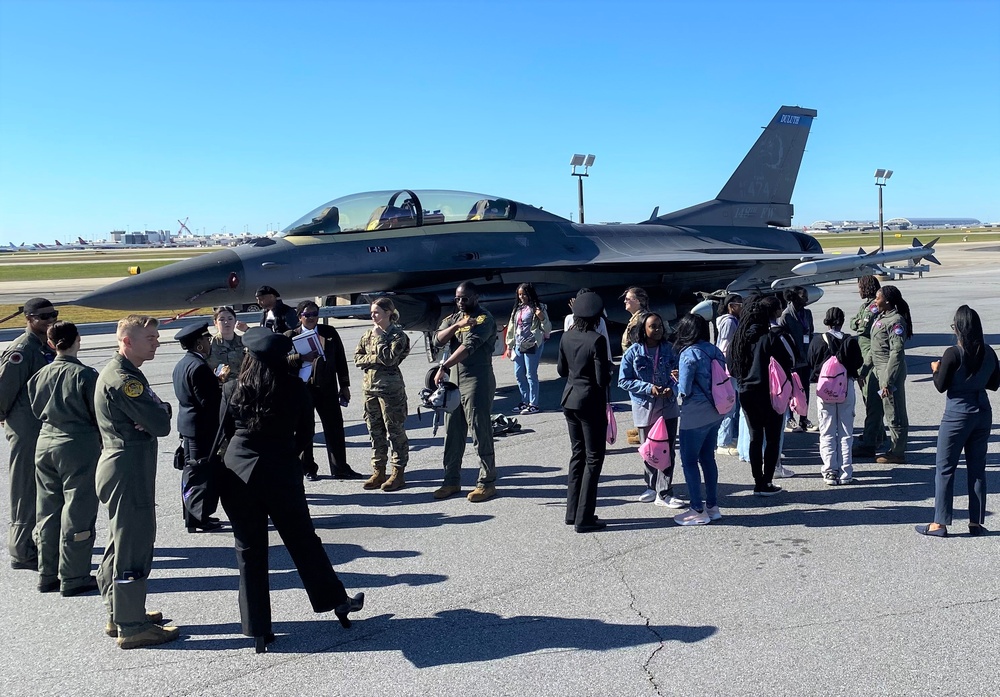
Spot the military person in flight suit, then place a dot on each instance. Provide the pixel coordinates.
(471, 335)
(890, 331)
(198, 398)
(23, 358)
(861, 324)
(69, 444)
(131, 418)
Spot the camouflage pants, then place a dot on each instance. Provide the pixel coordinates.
(385, 415)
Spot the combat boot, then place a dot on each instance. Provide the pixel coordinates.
(375, 481)
(153, 636)
(395, 481)
(111, 629)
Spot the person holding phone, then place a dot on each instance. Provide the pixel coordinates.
(527, 331)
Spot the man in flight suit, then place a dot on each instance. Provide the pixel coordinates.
(471, 335)
(198, 398)
(22, 359)
(131, 417)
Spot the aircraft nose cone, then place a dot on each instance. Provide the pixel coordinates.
(199, 282)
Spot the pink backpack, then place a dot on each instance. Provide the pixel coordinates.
(799, 403)
(723, 392)
(656, 450)
(780, 386)
(832, 384)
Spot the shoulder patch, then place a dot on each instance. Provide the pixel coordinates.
(15, 357)
(132, 388)
(898, 330)
(480, 319)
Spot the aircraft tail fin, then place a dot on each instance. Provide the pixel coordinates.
(80, 240)
(759, 193)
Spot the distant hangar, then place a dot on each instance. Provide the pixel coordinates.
(893, 224)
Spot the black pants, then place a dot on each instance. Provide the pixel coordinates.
(199, 480)
(275, 490)
(958, 432)
(587, 440)
(764, 424)
(332, 419)
(804, 374)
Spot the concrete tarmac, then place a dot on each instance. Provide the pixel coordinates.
(817, 591)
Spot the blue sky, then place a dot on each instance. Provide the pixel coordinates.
(248, 114)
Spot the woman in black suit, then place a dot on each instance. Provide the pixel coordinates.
(261, 413)
(584, 362)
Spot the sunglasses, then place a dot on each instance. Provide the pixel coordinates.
(309, 315)
(46, 315)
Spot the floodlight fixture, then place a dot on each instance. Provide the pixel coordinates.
(879, 173)
(577, 161)
(590, 161)
(888, 173)
(584, 161)
(881, 177)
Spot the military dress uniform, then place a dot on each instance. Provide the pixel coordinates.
(874, 431)
(198, 399)
(888, 338)
(69, 444)
(126, 484)
(477, 385)
(19, 362)
(384, 391)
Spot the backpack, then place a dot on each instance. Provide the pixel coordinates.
(655, 451)
(780, 386)
(833, 383)
(799, 402)
(723, 392)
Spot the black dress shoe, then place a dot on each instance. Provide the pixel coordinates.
(350, 605)
(204, 527)
(977, 530)
(347, 473)
(591, 527)
(260, 642)
(30, 565)
(926, 530)
(213, 519)
(87, 587)
(312, 476)
(48, 586)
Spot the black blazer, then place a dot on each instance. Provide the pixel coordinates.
(198, 395)
(584, 362)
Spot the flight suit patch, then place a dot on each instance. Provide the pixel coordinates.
(15, 357)
(898, 330)
(132, 388)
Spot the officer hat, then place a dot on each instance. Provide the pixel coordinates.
(35, 304)
(266, 345)
(588, 306)
(189, 335)
(267, 290)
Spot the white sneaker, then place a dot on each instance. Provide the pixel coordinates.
(692, 517)
(713, 513)
(648, 496)
(670, 502)
(783, 472)
(726, 451)
(846, 479)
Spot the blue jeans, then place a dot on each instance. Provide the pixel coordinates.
(729, 426)
(526, 374)
(698, 447)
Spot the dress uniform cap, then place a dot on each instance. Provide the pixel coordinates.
(266, 345)
(192, 332)
(588, 306)
(35, 304)
(267, 290)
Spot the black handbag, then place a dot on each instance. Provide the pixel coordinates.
(179, 458)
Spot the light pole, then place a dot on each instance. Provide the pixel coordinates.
(881, 177)
(585, 161)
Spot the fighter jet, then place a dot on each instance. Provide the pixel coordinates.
(419, 244)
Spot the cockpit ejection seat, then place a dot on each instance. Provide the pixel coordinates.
(489, 209)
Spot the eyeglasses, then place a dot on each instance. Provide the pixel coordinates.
(46, 315)
(309, 315)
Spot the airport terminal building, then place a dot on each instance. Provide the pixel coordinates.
(892, 224)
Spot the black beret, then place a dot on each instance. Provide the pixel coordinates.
(266, 345)
(192, 332)
(35, 304)
(267, 290)
(588, 306)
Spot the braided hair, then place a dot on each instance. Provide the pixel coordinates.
(755, 322)
(895, 298)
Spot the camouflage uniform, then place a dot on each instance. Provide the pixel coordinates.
(126, 484)
(21, 360)
(229, 353)
(478, 384)
(384, 392)
(69, 444)
(874, 433)
(889, 362)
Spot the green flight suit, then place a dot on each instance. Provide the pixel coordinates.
(477, 385)
(69, 444)
(888, 339)
(874, 432)
(384, 394)
(21, 359)
(126, 484)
